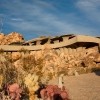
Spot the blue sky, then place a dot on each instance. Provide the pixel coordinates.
(34, 18)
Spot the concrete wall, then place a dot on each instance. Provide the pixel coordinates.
(61, 45)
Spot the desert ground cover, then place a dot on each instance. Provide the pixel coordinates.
(82, 87)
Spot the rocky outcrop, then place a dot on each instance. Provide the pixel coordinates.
(41, 64)
(16, 55)
(10, 38)
(73, 59)
(72, 62)
(2, 36)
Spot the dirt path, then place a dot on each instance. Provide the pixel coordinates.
(82, 87)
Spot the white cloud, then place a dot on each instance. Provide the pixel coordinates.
(17, 19)
(36, 17)
(91, 8)
(49, 22)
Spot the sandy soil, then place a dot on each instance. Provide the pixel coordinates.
(82, 87)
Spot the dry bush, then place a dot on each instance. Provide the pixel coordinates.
(7, 70)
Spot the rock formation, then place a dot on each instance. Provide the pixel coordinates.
(75, 58)
(10, 38)
(70, 55)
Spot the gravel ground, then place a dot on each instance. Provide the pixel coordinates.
(82, 87)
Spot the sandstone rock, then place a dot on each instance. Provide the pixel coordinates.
(2, 59)
(79, 49)
(74, 51)
(70, 51)
(91, 50)
(65, 50)
(11, 38)
(16, 55)
(71, 71)
(97, 58)
(1, 36)
(32, 52)
(58, 51)
(76, 73)
(61, 50)
(38, 54)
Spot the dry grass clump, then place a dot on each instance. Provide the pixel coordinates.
(8, 72)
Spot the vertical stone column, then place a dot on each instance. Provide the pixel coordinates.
(74, 50)
(99, 47)
(58, 51)
(32, 52)
(79, 49)
(56, 41)
(9, 54)
(30, 43)
(65, 39)
(70, 51)
(83, 48)
(61, 50)
(38, 42)
(65, 50)
(48, 42)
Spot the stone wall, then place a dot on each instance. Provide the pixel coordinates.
(77, 57)
(76, 60)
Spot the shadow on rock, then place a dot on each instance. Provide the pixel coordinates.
(97, 72)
